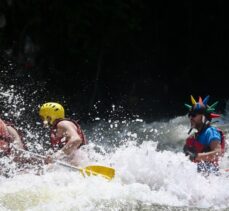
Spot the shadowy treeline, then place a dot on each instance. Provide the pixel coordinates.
(147, 56)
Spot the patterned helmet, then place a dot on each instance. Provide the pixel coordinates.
(201, 107)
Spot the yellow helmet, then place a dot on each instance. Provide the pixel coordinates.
(51, 111)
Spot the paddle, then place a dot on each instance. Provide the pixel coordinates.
(106, 172)
(103, 171)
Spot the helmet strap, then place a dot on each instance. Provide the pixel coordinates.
(203, 119)
(205, 122)
(190, 130)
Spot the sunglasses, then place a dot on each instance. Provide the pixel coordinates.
(192, 114)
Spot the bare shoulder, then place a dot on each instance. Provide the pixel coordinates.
(65, 124)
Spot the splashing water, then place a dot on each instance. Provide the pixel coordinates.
(152, 173)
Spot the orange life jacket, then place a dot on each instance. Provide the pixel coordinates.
(58, 142)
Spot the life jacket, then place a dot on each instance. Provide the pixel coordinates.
(58, 142)
(5, 139)
(195, 146)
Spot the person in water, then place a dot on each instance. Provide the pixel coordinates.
(66, 135)
(206, 146)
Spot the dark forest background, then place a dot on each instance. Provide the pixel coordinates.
(144, 57)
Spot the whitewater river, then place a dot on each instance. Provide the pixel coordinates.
(152, 173)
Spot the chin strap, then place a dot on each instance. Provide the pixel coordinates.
(205, 122)
(190, 130)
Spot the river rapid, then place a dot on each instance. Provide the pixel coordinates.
(152, 173)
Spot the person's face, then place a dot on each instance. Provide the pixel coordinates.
(195, 120)
(46, 121)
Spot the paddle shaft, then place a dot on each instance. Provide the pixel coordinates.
(106, 172)
(56, 161)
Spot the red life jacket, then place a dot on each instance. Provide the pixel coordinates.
(58, 142)
(196, 146)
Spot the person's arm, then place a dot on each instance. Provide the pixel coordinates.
(69, 131)
(213, 154)
(17, 146)
(17, 142)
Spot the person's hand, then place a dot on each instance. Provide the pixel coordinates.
(190, 152)
(56, 156)
(192, 155)
(48, 159)
(4, 146)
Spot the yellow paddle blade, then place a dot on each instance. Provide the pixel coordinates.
(103, 171)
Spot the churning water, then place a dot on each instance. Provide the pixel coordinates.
(152, 173)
